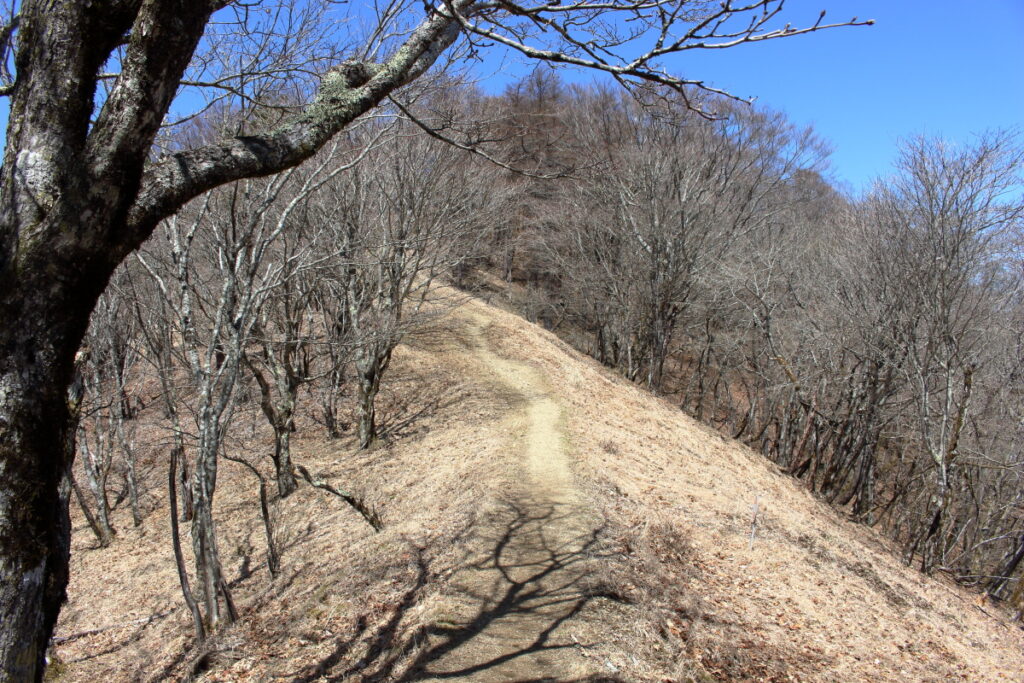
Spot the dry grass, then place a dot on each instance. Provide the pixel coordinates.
(346, 597)
(675, 582)
(815, 598)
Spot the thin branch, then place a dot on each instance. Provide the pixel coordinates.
(472, 149)
(371, 515)
(94, 631)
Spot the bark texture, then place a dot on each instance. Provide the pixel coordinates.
(75, 199)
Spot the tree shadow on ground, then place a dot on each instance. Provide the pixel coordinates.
(523, 576)
(408, 406)
(378, 643)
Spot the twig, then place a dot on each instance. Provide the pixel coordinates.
(756, 509)
(371, 516)
(93, 631)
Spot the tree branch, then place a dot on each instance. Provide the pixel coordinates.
(370, 515)
(345, 94)
(472, 149)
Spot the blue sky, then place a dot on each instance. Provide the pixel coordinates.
(950, 68)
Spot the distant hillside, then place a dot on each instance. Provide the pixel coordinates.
(544, 520)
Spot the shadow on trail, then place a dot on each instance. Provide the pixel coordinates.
(513, 599)
(524, 589)
(524, 576)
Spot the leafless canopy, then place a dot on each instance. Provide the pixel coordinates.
(627, 40)
(93, 87)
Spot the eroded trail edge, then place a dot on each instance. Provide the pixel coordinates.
(520, 606)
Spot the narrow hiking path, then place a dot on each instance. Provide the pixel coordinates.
(516, 602)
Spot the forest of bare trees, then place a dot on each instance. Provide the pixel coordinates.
(272, 246)
(870, 345)
(282, 292)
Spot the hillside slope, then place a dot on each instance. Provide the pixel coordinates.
(545, 520)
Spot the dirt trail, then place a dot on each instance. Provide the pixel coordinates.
(520, 596)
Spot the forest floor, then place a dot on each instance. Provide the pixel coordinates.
(545, 520)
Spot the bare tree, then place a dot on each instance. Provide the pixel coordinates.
(218, 281)
(943, 220)
(282, 362)
(883, 364)
(399, 213)
(285, 330)
(671, 197)
(79, 188)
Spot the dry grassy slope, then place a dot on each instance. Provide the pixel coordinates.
(815, 598)
(634, 565)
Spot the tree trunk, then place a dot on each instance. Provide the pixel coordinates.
(204, 538)
(208, 570)
(130, 475)
(368, 377)
(104, 534)
(273, 556)
(96, 476)
(1009, 566)
(35, 532)
(62, 232)
(865, 487)
(133, 490)
(188, 510)
(368, 387)
(74, 201)
(329, 412)
(179, 559)
(286, 482)
(280, 415)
